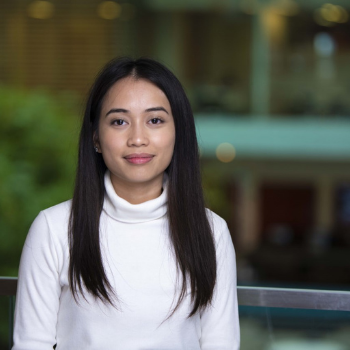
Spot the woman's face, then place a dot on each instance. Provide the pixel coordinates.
(136, 133)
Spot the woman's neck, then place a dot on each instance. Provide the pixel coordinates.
(138, 192)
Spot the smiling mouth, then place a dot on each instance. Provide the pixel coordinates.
(139, 158)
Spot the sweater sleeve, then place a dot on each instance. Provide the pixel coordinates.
(38, 291)
(220, 322)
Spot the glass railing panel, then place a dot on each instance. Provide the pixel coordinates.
(270, 318)
(265, 328)
(6, 321)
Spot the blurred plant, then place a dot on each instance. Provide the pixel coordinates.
(38, 141)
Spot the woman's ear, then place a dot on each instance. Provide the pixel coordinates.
(96, 142)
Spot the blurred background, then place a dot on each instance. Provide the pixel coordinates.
(269, 83)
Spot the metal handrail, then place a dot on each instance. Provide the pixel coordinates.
(247, 296)
(294, 298)
(258, 296)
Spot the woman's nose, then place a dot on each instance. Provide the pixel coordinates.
(138, 136)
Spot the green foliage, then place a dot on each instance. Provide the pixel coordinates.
(38, 142)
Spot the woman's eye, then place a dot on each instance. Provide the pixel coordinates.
(118, 122)
(155, 121)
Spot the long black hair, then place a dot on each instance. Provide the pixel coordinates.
(189, 228)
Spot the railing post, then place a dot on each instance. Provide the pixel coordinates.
(11, 310)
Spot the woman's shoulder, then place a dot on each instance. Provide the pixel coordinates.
(48, 233)
(59, 211)
(53, 219)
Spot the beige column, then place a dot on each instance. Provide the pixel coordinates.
(247, 213)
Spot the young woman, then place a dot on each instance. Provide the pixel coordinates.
(134, 261)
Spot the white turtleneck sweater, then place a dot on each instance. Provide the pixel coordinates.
(140, 265)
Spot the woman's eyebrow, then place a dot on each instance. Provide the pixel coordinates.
(116, 110)
(122, 110)
(154, 109)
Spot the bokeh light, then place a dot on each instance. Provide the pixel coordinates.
(109, 10)
(225, 152)
(41, 9)
(329, 14)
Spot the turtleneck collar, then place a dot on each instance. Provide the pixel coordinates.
(121, 210)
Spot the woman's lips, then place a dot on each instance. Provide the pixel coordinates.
(139, 158)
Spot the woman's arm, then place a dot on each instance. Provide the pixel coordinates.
(38, 291)
(219, 322)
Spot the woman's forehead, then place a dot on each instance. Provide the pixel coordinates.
(131, 91)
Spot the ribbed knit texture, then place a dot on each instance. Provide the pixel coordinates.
(140, 266)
